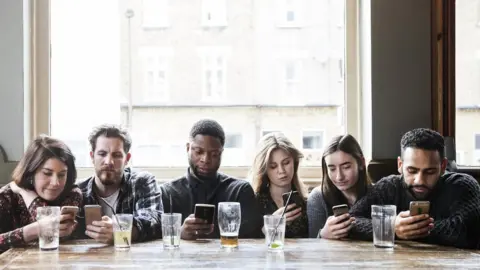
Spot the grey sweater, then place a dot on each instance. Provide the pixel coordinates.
(317, 212)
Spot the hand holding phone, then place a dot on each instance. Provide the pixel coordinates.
(71, 210)
(205, 212)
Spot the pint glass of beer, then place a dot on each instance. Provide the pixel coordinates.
(229, 218)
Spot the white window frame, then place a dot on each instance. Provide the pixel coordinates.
(294, 82)
(460, 157)
(156, 93)
(476, 151)
(40, 90)
(155, 14)
(209, 56)
(214, 13)
(234, 133)
(297, 6)
(313, 130)
(234, 151)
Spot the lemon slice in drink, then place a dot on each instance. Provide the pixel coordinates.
(275, 245)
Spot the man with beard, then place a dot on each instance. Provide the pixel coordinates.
(203, 184)
(454, 216)
(118, 190)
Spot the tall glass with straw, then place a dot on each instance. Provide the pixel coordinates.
(171, 228)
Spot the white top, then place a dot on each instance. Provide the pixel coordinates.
(110, 200)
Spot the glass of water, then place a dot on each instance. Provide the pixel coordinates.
(229, 220)
(383, 225)
(274, 226)
(171, 228)
(122, 231)
(48, 218)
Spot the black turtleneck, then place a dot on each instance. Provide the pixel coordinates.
(189, 190)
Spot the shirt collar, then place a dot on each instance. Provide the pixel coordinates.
(194, 181)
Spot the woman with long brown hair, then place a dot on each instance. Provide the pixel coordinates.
(44, 176)
(344, 182)
(275, 172)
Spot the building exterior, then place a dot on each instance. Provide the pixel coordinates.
(255, 66)
(468, 81)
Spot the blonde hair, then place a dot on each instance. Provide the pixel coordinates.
(266, 145)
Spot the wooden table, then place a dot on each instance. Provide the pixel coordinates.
(252, 254)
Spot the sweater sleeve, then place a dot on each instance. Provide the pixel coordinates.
(9, 236)
(382, 193)
(460, 228)
(317, 213)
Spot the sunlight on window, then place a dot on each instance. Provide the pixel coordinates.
(467, 82)
(157, 66)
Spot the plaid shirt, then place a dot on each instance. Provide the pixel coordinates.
(139, 195)
(454, 207)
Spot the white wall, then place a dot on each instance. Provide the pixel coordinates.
(12, 78)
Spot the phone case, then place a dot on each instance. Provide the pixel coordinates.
(419, 208)
(295, 198)
(339, 210)
(69, 209)
(92, 214)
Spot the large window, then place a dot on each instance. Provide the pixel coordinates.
(156, 67)
(467, 79)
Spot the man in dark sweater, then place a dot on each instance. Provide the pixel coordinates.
(454, 218)
(203, 184)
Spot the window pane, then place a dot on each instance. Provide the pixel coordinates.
(233, 141)
(312, 139)
(467, 77)
(251, 75)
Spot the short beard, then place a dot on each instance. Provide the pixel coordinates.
(107, 181)
(410, 188)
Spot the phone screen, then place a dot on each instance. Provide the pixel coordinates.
(295, 198)
(205, 211)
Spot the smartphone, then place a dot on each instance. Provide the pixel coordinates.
(295, 198)
(340, 209)
(205, 211)
(67, 209)
(419, 208)
(93, 212)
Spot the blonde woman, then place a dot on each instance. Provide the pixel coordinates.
(274, 172)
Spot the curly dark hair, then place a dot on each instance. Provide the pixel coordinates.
(424, 138)
(110, 131)
(208, 127)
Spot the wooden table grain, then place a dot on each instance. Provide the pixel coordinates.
(252, 254)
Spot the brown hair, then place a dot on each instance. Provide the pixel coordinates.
(348, 144)
(266, 146)
(38, 152)
(110, 131)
